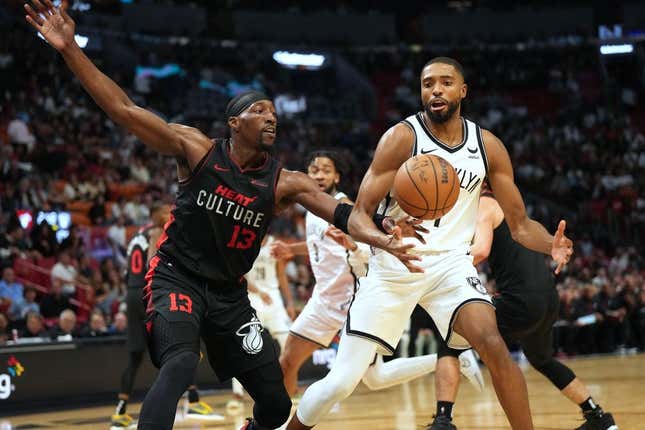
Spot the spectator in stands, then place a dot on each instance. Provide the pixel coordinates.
(66, 271)
(116, 235)
(28, 304)
(139, 171)
(11, 293)
(85, 268)
(96, 326)
(34, 326)
(136, 210)
(120, 324)
(44, 240)
(66, 327)
(13, 242)
(97, 211)
(19, 132)
(73, 243)
(55, 302)
(4, 329)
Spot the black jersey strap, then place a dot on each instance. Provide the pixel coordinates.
(341, 217)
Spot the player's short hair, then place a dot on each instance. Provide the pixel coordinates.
(332, 155)
(447, 60)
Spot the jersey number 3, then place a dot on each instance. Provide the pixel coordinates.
(242, 238)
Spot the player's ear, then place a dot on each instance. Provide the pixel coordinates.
(337, 179)
(234, 122)
(464, 90)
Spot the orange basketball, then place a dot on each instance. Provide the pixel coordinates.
(426, 187)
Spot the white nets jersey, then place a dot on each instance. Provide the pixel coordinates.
(264, 274)
(334, 279)
(455, 230)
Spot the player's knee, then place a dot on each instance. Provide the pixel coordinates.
(340, 388)
(559, 374)
(180, 368)
(491, 348)
(274, 410)
(373, 379)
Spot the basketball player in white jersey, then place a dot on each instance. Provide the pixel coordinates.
(267, 284)
(443, 279)
(337, 261)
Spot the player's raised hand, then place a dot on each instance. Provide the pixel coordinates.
(340, 238)
(52, 22)
(562, 247)
(280, 250)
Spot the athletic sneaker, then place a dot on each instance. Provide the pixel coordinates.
(121, 421)
(441, 422)
(598, 420)
(201, 411)
(470, 368)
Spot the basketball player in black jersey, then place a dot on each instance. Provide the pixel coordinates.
(526, 308)
(140, 249)
(228, 192)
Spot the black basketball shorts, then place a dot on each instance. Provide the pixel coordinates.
(136, 319)
(182, 308)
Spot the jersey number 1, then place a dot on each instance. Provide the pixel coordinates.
(242, 238)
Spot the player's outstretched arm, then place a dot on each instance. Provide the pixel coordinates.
(296, 187)
(57, 27)
(529, 233)
(483, 241)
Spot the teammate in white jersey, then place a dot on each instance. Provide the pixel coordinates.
(337, 261)
(268, 285)
(443, 279)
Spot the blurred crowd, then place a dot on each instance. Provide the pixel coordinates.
(577, 150)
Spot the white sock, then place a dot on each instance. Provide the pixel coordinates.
(237, 388)
(383, 375)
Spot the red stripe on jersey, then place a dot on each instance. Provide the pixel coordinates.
(164, 234)
(147, 289)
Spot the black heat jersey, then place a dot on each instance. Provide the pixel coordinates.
(220, 216)
(516, 269)
(138, 258)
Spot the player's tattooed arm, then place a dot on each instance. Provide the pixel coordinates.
(57, 27)
(529, 233)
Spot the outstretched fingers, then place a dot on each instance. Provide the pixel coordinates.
(33, 17)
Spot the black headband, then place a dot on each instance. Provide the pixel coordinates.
(242, 101)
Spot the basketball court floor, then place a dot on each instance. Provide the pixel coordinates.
(616, 382)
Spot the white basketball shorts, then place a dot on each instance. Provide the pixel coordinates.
(274, 317)
(385, 300)
(319, 322)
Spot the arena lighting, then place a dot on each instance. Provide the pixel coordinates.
(294, 60)
(80, 40)
(625, 48)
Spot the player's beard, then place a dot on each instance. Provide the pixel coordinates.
(270, 149)
(441, 117)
